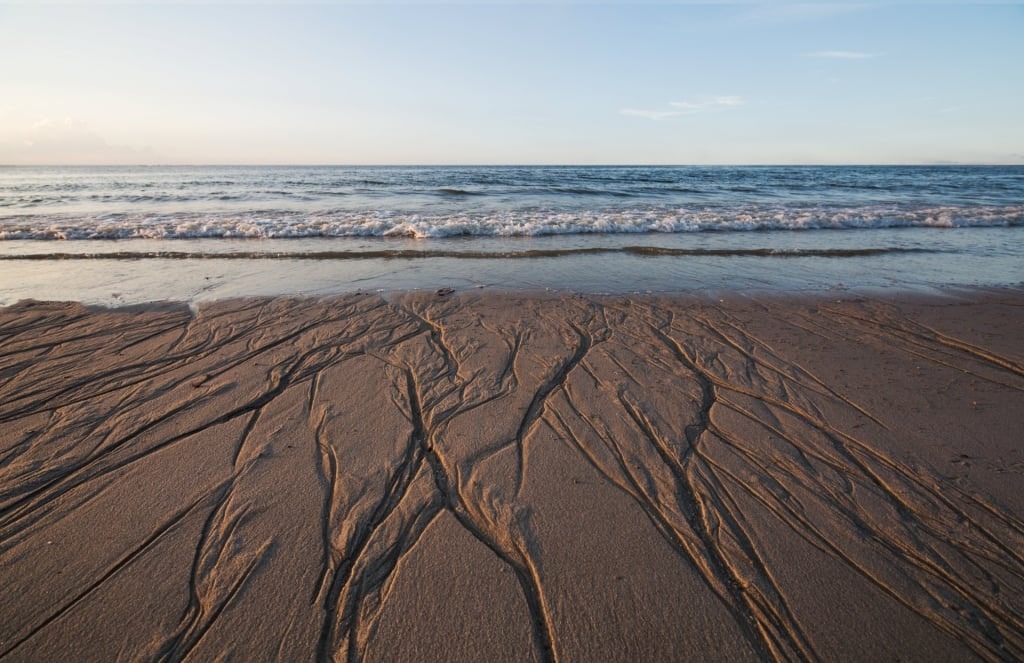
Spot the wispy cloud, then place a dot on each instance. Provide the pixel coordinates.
(649, 114)
(731, 100)
(841, 55)
(708, 103)
(699, 105)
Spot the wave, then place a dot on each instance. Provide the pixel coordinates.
(520, 223)
(588, 191)
(451, 191)
(412, 254)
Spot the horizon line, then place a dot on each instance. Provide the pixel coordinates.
(516, 165)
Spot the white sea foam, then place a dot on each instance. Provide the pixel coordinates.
(498, 224)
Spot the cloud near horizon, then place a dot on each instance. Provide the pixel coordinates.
(67, 142)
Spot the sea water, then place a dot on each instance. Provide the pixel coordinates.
(110, 235)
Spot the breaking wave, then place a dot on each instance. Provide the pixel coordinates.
(518, 223)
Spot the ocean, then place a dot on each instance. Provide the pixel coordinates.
(125, 235)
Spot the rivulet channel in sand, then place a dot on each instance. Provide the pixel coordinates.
(514, 477)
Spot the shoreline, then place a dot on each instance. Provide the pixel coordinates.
(515, 476)
(798, 262)
(931, 295)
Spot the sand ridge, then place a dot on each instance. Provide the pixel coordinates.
(514, 477)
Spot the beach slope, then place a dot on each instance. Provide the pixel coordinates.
(514, 477)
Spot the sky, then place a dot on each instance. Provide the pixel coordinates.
(482, 82)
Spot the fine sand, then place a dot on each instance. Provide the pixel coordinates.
(514, 477)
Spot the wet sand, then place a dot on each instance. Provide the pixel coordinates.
(514, 477)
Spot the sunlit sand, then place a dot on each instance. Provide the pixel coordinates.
(514, 477)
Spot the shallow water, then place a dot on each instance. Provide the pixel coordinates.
(109, 272)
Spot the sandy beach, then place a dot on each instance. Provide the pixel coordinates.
(513, 477)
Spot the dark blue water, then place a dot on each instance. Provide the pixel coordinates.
(435, 202)
(114, 235)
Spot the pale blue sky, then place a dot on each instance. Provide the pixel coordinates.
(482, 82)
